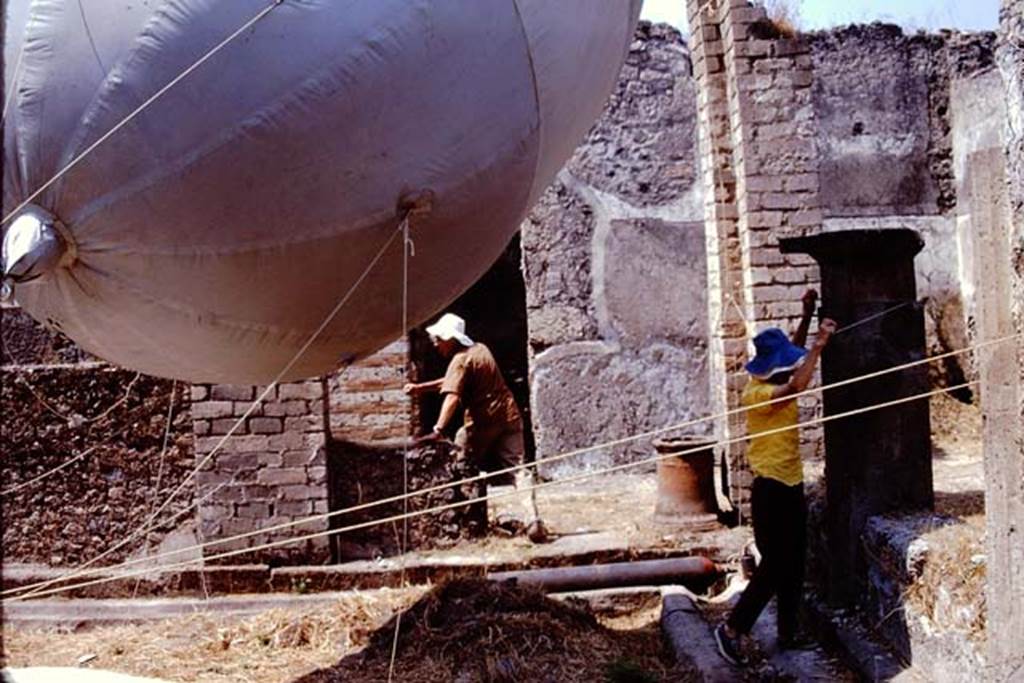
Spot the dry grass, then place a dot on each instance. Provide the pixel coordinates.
(950, 593)
(471, 630)
(463, 631)
(785, 16)
(278, 645)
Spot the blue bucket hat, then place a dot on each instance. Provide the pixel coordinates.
(775, 353)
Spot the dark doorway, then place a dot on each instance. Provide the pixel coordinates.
(495, 312)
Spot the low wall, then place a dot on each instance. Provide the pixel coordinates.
(50, 415)
(362, 473)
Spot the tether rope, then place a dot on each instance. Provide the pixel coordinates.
(169, 421)
(142, 107)
(553, 458)
(463, 503)
(150, 521)
(403, 545)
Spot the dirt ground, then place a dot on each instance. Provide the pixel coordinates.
(350, 641)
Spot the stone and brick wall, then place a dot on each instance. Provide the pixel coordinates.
(613, 261)
(56, 402)
(366, 402)
(273, 468)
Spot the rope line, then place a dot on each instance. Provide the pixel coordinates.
(463, 503)
(151, 519)
(875, 316)
(403, 545)
(25, 484)
(163, 453)
(142, 107)
(552, 458)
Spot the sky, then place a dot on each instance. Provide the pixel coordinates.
(967, 15)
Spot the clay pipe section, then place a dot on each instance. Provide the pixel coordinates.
(689, 571)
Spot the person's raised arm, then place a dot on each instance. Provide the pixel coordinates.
(810, 300)
(433, 385)
(803, 375)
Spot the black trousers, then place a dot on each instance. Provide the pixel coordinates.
(779, 515)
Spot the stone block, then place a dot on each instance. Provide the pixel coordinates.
(199, 392)
(298, 459)
(301, 492)
(212, 409)
(300, 390)
(229, 392)
(270, 459)
(265, 425)
(295, 508)
(281, 477)
(201, 427)
(224, 425)
(285, 441)
(247, 408)
(253, 510)
(306, 423)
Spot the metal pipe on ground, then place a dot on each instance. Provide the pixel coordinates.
(680, 570)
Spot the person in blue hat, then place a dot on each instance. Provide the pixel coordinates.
(781, 367)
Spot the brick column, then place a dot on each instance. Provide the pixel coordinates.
(271, 470)
(726, 296)
(761, 184)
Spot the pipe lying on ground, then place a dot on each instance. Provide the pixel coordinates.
(643, 573)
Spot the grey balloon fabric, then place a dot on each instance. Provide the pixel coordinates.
(215, 231)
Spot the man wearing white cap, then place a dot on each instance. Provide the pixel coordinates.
(492, 431)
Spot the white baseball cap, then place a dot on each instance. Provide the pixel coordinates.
(450, 326)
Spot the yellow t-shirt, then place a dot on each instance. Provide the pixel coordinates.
(776, 456)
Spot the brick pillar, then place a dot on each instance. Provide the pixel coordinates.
(761, 184)
(271, 470)
(726, 296)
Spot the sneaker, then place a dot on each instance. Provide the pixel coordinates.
(727, 647)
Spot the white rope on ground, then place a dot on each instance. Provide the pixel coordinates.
(463, 503)
(142, 107)
(151, 520)
(562, 456)
(403, 545)
(48, 473)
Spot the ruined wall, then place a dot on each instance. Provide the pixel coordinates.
(613, 258)
(897, 115)
(56, 404)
